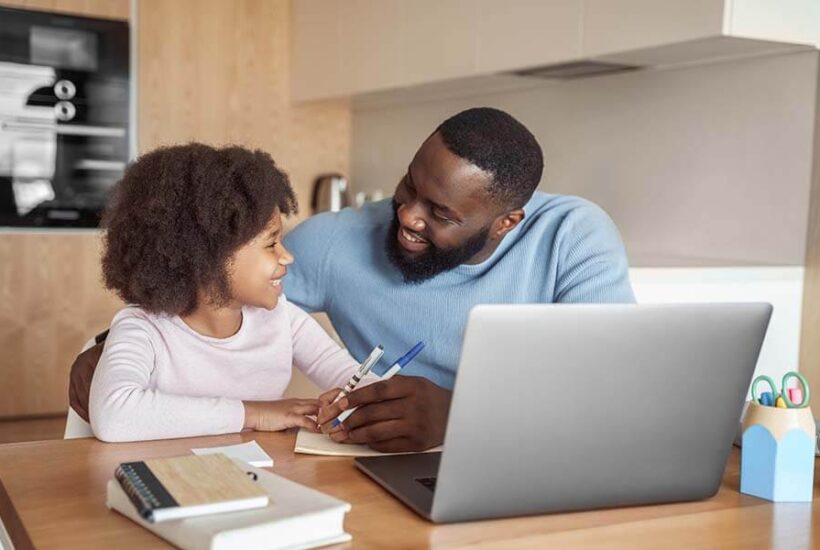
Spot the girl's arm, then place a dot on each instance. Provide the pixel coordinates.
(318, 356)
(122, 407)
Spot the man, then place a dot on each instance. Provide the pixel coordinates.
(465, 227)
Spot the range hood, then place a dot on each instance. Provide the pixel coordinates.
(627, 35)
(576, 69)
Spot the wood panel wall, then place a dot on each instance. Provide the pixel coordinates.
(219, 72)
(51, 302)
(209, 70)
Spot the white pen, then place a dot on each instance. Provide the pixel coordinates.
(361, 372)
(397, 366)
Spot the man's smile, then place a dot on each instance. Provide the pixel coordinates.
(412, 241)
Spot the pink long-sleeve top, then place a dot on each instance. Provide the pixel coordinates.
(158, 378)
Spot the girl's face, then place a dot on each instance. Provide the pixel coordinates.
(258, 267)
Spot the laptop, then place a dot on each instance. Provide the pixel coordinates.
(574, 407)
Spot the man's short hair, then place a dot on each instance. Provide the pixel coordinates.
(497, 143)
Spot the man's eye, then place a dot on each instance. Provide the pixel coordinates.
(442, 218)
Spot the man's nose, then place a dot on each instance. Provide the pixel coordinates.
(411, 215)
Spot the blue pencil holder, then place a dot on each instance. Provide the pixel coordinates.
(777, 457)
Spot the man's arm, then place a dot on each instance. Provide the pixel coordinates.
(82, 372)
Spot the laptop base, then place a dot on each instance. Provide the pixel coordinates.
(407, 477)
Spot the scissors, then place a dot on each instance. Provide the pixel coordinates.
(774, 398)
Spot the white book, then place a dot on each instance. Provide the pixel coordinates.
(311, 443)
(297, 517)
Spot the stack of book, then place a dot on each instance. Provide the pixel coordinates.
(214, 502)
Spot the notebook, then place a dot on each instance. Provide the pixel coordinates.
(297, 517)
(249, 453)
(311, 443)
(168, 488)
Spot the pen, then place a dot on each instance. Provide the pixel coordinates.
(361, 372)
(397, 366)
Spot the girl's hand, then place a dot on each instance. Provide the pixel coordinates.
(328, 413)
(272, 416)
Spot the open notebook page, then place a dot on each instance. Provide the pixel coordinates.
(311, 443)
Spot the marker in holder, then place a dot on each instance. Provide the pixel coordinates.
(777, 458)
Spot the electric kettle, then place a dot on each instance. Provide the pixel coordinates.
(330, 192)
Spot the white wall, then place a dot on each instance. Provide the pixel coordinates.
(705, 165)
(780, 286)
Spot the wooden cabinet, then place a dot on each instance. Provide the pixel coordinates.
(359, 47)
(103, 9)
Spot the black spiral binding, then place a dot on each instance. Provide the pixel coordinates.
(143, 488)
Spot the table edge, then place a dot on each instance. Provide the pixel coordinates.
(12, 523)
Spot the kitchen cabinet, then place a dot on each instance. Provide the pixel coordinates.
(345, 48)
(503, 43)
(360, 47)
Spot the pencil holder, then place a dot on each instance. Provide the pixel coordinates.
(777, 458)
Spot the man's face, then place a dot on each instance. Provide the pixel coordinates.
(443, 214)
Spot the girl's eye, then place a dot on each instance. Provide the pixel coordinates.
(273, 244)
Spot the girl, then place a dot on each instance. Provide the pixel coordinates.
(193, 242)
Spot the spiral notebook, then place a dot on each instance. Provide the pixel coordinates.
(170, 488)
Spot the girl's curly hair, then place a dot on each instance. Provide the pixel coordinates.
(177, 216)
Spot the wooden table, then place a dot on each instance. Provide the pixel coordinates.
(53, 495)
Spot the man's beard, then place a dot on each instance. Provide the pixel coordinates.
(434, 260)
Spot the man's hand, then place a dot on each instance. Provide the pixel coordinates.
(405, 413)
(82, 371)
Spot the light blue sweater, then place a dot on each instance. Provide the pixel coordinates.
(565, 250)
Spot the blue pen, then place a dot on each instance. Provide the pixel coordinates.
(397, 366)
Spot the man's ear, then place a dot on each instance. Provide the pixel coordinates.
(506, 223)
